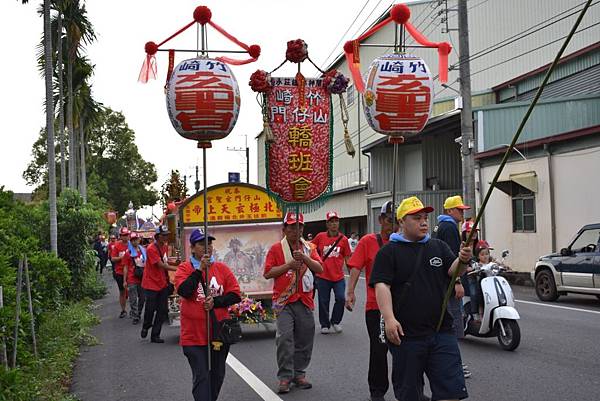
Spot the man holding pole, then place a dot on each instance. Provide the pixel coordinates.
(410, 277)
(291, 263)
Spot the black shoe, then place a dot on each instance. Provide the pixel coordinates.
(136, 320)
(144, 333)
(122, 314)
(157, 340)
(376, 398)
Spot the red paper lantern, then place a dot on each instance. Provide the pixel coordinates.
(203, 99)
(398, 95)
(110, 217)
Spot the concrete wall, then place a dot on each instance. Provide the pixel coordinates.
(576, 194)
(525, 248)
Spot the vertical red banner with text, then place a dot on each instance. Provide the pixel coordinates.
(299, 161)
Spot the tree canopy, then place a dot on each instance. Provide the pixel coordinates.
(116, 171)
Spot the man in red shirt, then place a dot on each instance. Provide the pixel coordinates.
(363, 258)
(291, 263)
(117, 258)
(134, 257)
(334, 250)
(223, 291)
(155, 283)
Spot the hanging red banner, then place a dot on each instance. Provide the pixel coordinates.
(299, 160)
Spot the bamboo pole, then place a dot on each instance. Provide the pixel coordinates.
(3, 356)
(17, 312)
(510, 150)
(28, 284)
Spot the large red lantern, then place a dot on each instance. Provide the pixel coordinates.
(203, 99)
(398, 95)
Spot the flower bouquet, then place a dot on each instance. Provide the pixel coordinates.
(250, 311)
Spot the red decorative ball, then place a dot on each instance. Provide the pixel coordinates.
(348, 46)
(254, 51)
(445, 47)
(400, 13)
(260, 81)
(202, 15)
(151, 48)
(297, 51)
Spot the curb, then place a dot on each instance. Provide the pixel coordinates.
(518, 278)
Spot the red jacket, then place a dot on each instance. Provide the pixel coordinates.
(193, 315)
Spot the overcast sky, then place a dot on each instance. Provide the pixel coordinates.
(122, 28)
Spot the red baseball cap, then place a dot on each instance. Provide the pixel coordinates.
(468, 226)
(483, 244)
(124, 231)
(134, 235)
(290, 218)
(331, 214)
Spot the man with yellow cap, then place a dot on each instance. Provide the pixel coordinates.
(447, 230)
(410, 275)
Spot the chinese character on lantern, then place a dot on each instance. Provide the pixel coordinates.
(399, 95)
(203, 99)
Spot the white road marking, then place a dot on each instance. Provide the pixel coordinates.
(250, 378)
(558, 307)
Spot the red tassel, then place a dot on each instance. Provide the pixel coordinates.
(148, 70)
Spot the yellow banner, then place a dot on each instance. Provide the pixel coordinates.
(232, 203)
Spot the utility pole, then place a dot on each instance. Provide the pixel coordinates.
(247, 153)
(466, 116)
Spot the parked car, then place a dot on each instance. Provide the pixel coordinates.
(576, 269)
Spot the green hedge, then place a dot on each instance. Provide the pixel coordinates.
(61, 333)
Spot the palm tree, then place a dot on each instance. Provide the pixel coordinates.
(59, 6)
(50, 127)
(79, 32)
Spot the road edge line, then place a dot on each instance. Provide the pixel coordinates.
(558, 307)
(252, 380)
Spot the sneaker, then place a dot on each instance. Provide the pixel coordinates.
(337, 328)
(135, 320)
(122, 314)
(302, 383)
(157, 340)
(144, 333)
(325, 330)
(466, 373)
(284, 387)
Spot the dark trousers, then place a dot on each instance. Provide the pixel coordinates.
(156, 310)
(324, 292)
(378, 366)
(198, 359)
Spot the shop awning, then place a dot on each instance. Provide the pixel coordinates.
(527, 180)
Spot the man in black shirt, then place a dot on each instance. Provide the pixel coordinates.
(410, 276)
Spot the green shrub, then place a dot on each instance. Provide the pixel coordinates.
(61, 333)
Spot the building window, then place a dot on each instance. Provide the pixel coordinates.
(523, 209)
(350, 94)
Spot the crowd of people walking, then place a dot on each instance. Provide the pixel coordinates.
(407, 271)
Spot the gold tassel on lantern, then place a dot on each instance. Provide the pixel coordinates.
(268, 133)
(347, 141)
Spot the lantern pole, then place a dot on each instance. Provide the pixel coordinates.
(204, 146)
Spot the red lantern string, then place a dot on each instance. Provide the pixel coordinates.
(398, 14)
(171, 65)
(202, 15)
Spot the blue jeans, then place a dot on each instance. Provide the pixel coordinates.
(324, 288)
(437, 355)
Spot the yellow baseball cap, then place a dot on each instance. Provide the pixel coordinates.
(411, 205)
(455, 202)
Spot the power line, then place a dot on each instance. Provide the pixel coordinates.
(344, 35)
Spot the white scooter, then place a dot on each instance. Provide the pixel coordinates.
(499, 314)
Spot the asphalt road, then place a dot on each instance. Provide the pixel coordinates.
(558, 359)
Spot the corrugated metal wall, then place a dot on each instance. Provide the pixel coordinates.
(549, 118)
(441, 159)
(586, 82)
